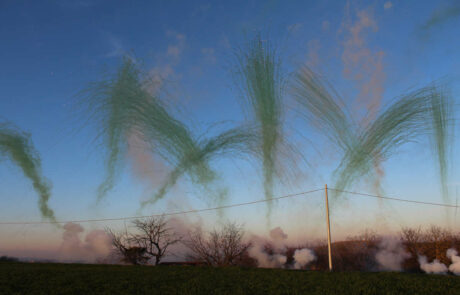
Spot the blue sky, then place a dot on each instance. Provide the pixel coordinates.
(51, 50)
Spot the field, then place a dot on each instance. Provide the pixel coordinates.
(25, 278)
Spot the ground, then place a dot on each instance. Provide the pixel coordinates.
(30, 278)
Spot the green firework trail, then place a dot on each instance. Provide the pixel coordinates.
(442, 125)
(17, 147)
(122, 106)
(441, 15)
(426, 111)
(233, 141)
(262, 85)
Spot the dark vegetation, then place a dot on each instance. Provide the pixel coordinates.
(149, 241)
(220, 247)
(8, 259)
(358, 253)
(227, 246)
(21, 278)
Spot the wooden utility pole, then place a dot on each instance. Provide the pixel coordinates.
(328, 231)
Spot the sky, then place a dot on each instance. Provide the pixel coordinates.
(371, 51)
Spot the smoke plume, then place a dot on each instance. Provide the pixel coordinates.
(259, 249)
(258, 252)
(434, 267)
(452, 254)
(97, 244)
(391, 255)
(278, 238)
(270, 253)
(302, 257)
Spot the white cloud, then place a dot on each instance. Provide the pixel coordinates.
(388, 5)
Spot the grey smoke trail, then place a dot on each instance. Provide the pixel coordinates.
(17, 147)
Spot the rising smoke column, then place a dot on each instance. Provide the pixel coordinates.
(423, 111)
(17, 147)
(262, 85)
(391, 254)
(122, 107)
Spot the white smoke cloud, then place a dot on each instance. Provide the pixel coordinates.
(257, 251)
(97, 244)
(434, 267)
(277, 241)
(391, 254)
(452, 254)
(303, 257)
(278, 238)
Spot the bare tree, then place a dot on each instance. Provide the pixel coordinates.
(218, 247)
(155, 236)
(151, 239)
(440, 238)
(412, 238)
(124, 246)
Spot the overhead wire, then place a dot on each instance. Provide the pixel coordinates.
(164, 214)
(229, 206)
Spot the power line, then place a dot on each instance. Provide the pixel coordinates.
(230, 206)
(163, 214)
(396, 199)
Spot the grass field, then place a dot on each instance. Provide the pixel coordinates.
(25, 278)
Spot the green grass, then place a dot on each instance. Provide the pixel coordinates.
(23, 278)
